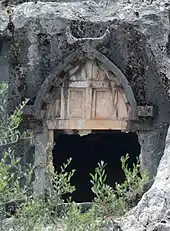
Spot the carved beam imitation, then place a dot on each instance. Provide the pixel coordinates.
(71, 39)
(146, 111)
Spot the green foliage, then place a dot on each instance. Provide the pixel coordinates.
(9, 123)
(32, 213)
(59, 184)
(36, 212)
(132, 188)
(108, 201)
(11, 172)
(75, 220)
(116, 201)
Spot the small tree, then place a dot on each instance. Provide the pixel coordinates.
(30, 212)
(116, 201)
(34, 214)
(11, 172)
(9, 123)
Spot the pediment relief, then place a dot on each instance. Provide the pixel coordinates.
(88, 71)
(90, 97)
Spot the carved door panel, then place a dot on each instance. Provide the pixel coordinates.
(88, 100)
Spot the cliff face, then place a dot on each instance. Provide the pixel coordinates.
(151, 19)
(139, 45)
(153, 211)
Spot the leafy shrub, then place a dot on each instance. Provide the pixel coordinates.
(74, 219)
(9, 123)
(36, 213)
(116, 202)
(108, 201)
(32, 213)
(11, 174)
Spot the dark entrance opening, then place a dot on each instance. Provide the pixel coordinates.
(87, 151)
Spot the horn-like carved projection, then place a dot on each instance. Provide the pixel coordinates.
(71, 39)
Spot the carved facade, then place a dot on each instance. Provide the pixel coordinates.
(89, 98)
(85, 75)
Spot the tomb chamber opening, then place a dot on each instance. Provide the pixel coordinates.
(87, 151)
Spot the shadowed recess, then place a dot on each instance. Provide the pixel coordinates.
(87, 151)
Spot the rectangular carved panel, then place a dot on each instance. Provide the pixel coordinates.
(54, 109)
(102, 105)
(122, 112)
(76, 103)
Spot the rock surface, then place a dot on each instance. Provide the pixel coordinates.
(153, 211)
(139, 44)
(151, 19)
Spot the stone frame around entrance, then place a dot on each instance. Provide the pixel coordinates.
(151, 145)
(43, 157)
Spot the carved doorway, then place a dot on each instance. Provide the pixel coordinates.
(87, 151)
(89, 98)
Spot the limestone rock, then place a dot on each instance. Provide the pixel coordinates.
(111, 225)
(153, 211)
(150, 19)
(41, 27)
(161, 227)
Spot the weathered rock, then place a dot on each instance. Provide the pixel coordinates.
(152, 212)
(139, 46)
(152, 19)
(111, 225)
(162, 227)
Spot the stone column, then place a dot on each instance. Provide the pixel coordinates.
(40, 162)
(152, 147)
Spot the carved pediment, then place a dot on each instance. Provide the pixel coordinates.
(89, 98)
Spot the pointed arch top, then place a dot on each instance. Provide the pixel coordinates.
(68, 64)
